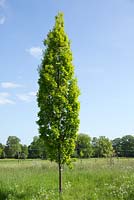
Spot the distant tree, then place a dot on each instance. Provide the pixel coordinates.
(1, 150)
(58, 97)
(13, 147)
(105, 146)
(34, 149)
(124, 147)
(24, 151)
(83, 146)
(37, 148)
(127, 145)
(102, 147)
(3, 155)
(95, 147)
(1, 145)
(117, 146)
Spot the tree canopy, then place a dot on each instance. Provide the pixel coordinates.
(13, 146)
(58, 95)
(83, 146)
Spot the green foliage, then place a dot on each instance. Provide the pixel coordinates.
(24, 151)
(83, 146)
(128, 146)
(1, 150)
(124, 146)
(13, 147)
(58, 96)
(102, 147)
(117, 146)
(37, 148)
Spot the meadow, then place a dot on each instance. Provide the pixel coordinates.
(90, 179)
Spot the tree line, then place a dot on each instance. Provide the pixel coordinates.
(85, 147)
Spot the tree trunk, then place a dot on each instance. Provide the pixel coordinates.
(60, 178)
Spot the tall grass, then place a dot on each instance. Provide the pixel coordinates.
(92, 179)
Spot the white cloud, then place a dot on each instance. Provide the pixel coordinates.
(2, 7)
(32, 93)
(24, 97)
(2, 3)
(4, 98)
(27, 97)
(35, 51)
(2, 20)
(9, 85)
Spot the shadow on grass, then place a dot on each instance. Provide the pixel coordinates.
(6, 195)
(3, 195)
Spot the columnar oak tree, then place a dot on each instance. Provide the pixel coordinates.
(58, 97)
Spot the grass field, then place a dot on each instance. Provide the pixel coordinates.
(92, 179)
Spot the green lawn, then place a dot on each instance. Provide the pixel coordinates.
(92, 179)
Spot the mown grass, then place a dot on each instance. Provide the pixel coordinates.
(92, 179)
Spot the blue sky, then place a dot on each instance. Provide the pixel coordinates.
(102, 35)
